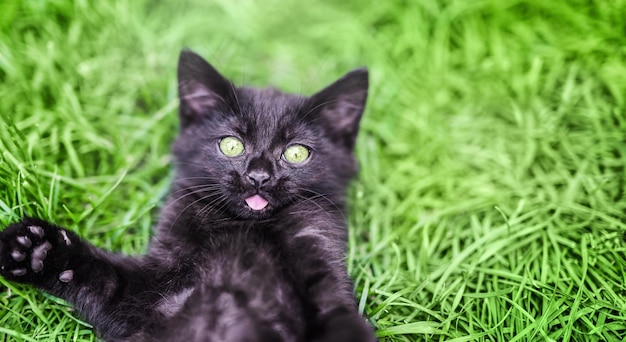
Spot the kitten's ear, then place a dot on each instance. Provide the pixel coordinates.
(341, 104)
(201, 88)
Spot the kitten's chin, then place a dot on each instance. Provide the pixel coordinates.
(250, 214)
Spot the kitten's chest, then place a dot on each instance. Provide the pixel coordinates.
(241, 253)
(244, 262)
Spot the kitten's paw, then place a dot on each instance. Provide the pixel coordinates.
(34, 251)
(344, 327)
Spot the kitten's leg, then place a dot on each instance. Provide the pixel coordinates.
(97, 283)
(318, 267)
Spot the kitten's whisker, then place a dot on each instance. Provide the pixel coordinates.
(193, 182)
(208, 186)
(310, 199)
(195, 192)
(194, 187)
(212, 207)
(324, 197)
(187, 207)
(209, 206)
(223, 205)
(316, 107)
(192, 178)
(234, 91)
(212, 192)
(202, 166)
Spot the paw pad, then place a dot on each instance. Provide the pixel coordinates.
(18, 256)
(67, 240)
(25, 249)
(66, 276)
(19, 272)
(36, 230)
(24, 241)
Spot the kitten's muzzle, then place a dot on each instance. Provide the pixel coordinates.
(258, 178)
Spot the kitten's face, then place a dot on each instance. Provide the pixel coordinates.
(250, 152)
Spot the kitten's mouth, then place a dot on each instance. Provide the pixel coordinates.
(256, 202)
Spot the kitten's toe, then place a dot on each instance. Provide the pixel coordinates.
(65, 238)
(36, 265)
(66, 276)
(18, 255)
(36, 230)
(19, 272)
(40, 252)
(24, 241)
(345, 327)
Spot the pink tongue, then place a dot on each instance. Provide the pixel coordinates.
(256, 202)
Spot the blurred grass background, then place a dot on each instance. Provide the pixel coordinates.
(490, 204)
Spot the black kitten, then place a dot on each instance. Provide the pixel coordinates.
(250, 245)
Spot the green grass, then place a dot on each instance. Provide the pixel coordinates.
(490, 204)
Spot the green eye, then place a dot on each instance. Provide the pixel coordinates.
(231, 146)
(296, 154)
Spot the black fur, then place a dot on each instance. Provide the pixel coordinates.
(216, 269)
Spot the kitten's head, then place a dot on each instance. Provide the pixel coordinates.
(251, 152)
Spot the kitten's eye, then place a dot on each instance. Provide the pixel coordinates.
(296, 154)
(231, 146)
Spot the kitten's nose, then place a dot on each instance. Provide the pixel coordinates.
(258, 177)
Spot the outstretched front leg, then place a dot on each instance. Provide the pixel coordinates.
(317, 265)
(102, 286)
